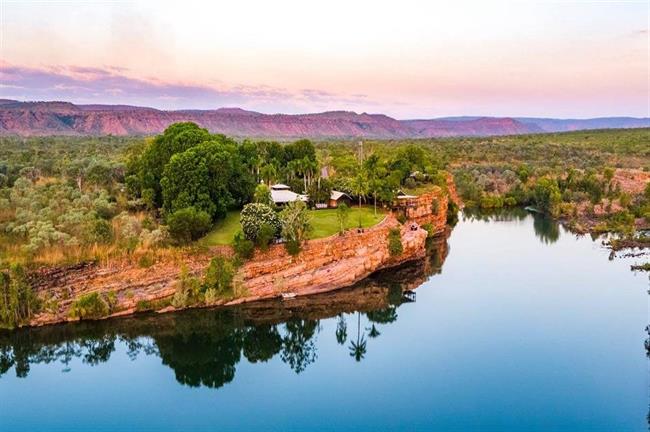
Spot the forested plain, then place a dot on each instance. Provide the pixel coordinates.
(66, 200)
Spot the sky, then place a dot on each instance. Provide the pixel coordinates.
(406, 59)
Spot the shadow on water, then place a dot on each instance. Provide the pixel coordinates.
(203, 347)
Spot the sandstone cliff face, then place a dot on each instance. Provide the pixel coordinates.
(323, 265)
(336, 261)
(430, 207)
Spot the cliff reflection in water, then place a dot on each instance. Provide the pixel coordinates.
(203, 347)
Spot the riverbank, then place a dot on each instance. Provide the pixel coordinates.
(322, 265)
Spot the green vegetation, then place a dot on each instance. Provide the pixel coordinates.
(68, 199)
(188, 224)
(324, 223)
(17, 299)
(223, 231)
(218, 280)
(342, 215)
(259, 222)
(188, 290)
(395, 246)
(295, 226)
(217, 284)
(243, 247)
(151, 305)
(92, 306)
(328, 222)
(641, 267)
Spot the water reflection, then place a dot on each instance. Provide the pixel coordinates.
(547, 230)
(203, 347)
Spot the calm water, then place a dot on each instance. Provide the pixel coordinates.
(516, 324)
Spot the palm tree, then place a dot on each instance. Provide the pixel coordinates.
(269, 173)
(359, 186)
(371, 166)
(358, 348)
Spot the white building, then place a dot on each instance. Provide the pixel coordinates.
(282, 194)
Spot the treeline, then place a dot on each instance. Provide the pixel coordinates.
(569, 175)
(66, 199)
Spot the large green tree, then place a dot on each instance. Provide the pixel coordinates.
(209, 176)
(149, 167)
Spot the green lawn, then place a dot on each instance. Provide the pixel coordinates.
(324, 222)
(223, 231)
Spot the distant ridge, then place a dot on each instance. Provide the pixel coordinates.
(65, 118)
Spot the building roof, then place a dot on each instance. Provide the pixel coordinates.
(281, 196)
(336, 195)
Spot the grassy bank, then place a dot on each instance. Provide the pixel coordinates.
(324, 222)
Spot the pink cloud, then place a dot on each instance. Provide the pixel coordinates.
(110, 85)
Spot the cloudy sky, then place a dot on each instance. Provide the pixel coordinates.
(408, 59)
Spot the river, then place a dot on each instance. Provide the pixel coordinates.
(516, 324)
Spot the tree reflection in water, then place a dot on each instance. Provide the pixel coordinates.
(358, 348)
(203, 347)
(546, 228)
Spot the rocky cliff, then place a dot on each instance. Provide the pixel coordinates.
(336, 261)
(323, 265)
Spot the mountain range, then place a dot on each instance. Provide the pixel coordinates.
(65, 118)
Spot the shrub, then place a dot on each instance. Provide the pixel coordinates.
(254, 215)
(151, 305)
(146, 260)
(547, 195)
(292, 246)
(244, 248)
(491, 202)
(428, 227)
(295, 225)
(395, 247)
(187, 290)
(265, 236)
(90, 306)
(262, 195)
(212, 296)
(219, 276)
(342, 214)
(17, 299)
(510, 201)
(622, 221)
(625, 200)
(102, 231)
(188, 224)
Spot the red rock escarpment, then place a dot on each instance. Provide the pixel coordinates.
(332, 262)
(322, 265)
